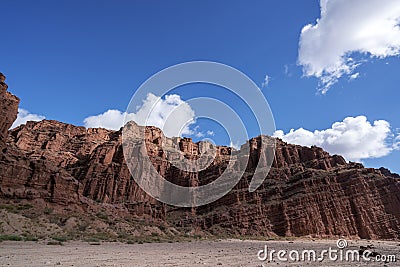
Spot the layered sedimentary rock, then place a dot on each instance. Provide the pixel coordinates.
(307, 191)
(24, 174)
(8, 108)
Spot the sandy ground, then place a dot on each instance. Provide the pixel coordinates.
(199, 253)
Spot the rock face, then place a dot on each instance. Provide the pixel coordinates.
(307, 192)
(8, 108)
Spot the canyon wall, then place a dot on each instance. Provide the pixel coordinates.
(306, 193)
(8, 108)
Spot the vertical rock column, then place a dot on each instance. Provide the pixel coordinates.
(8, 110)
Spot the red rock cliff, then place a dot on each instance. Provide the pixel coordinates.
(8, 108)
(307, 192)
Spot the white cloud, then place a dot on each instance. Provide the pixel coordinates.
(368, 27)
(235, 145)
(154, 111)
(286, 69)
(397, 142)
(267, 80)
(24, 116)
(199, 134)
(111, 119)
(355, 138)
(354, 76)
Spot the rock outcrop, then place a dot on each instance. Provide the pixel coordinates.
(8, 108)
(306, 193)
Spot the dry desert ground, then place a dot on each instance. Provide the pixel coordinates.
(196, 253)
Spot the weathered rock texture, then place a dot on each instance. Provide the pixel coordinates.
(8, 108)
(307, 192)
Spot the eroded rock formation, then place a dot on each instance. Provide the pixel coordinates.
(307, 192)
(8, 108)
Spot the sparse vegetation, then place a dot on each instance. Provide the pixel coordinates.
(11, 238)
(60, 238)
(9, 208)
(31, 238)
(82, 226)
(123, 235)
(48, 211)
(56, 219)
(16, 208)
(53, 223)
(103, 217)
(24, 207)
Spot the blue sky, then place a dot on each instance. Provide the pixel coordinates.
(68, 60)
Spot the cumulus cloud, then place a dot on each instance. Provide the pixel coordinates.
(355, 138)
(24, 116)
(171, 114)
(111, 119)
(369, 28)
